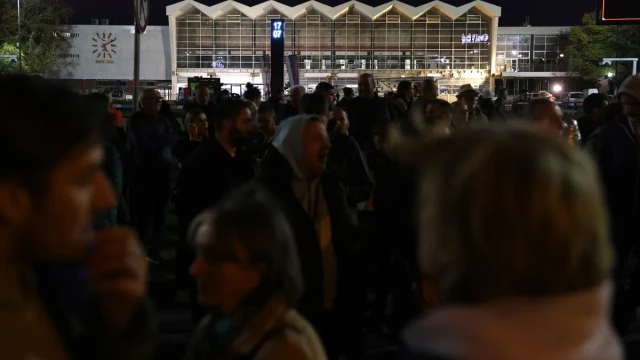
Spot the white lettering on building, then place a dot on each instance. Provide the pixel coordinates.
(474, 38)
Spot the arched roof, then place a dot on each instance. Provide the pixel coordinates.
(332, 12)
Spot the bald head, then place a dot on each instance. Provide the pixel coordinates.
(151, 101)
(366, 86)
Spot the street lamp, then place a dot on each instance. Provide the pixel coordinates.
(609, 74)
(19, 38)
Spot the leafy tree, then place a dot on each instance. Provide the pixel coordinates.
(590, 43)
(42, 22)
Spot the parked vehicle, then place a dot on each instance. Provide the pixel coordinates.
(572, 100)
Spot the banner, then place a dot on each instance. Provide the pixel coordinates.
(293, 70)
(265, 69)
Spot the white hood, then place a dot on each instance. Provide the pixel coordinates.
(570, 327)
(288, 142)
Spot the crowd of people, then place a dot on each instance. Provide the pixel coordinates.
(455, 231)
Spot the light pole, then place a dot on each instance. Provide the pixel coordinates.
(19, 39)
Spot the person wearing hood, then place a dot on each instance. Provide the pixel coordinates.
(617, 156)
(314, 201)
(519, 252)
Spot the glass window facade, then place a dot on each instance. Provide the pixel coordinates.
(352, 41)
(532, 53)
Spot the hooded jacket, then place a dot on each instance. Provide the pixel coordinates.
(307, 203)
(569, 327)
(631, 86)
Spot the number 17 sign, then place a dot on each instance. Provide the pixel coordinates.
(277, 29)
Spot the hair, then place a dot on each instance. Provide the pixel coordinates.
(613, 111)
(224, 92)
(297, 89)
(347, 91)
(252, 93)
(202, 86)
(266, 108)
(191, 114)
(508, 212)
(314, 104)
(106, 92)
(535, 103)
(323, 87)
(39, 130)
(594, 101)
(251, 216)
(403, 86)
(429, 83)
(446, 106)
(230, 110)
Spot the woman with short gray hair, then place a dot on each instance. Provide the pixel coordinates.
(249, 276)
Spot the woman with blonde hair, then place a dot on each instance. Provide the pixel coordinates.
(512, 230)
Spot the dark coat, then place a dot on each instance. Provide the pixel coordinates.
(276, 174)
(616, 151)
(365, 115)
(346, 157)
(208, 175)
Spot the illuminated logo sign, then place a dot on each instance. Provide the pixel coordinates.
(474, 38)
(277, 29)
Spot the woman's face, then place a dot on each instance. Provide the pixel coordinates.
(225, 283)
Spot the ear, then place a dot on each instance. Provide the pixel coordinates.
(15, 203)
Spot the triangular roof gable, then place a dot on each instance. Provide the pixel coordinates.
(333, 12)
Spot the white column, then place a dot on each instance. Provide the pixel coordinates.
(493, 48)
(173, 44)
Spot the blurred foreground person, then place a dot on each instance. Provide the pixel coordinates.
(293, 169)
(249, 276)
(66, 292)
(546, 116)
(514, 234)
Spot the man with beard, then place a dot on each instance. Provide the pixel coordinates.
(218, 165)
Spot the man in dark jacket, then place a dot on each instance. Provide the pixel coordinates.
(366, 112)
(206, 103)
(593, 117)
(66, 292)
(152, 137)
(346, 158)
(617, 158)
(500, 110)
(314, 201)
(217, 166)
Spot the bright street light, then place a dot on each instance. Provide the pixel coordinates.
(557, 88)
(609, 74)
(561, 55)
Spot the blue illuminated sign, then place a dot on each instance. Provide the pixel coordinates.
(277, 29)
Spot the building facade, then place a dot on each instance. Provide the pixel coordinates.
(394, 41)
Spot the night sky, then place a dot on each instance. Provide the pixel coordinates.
(542, 12)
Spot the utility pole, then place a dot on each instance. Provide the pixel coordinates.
(136, 70)
(19, 39)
